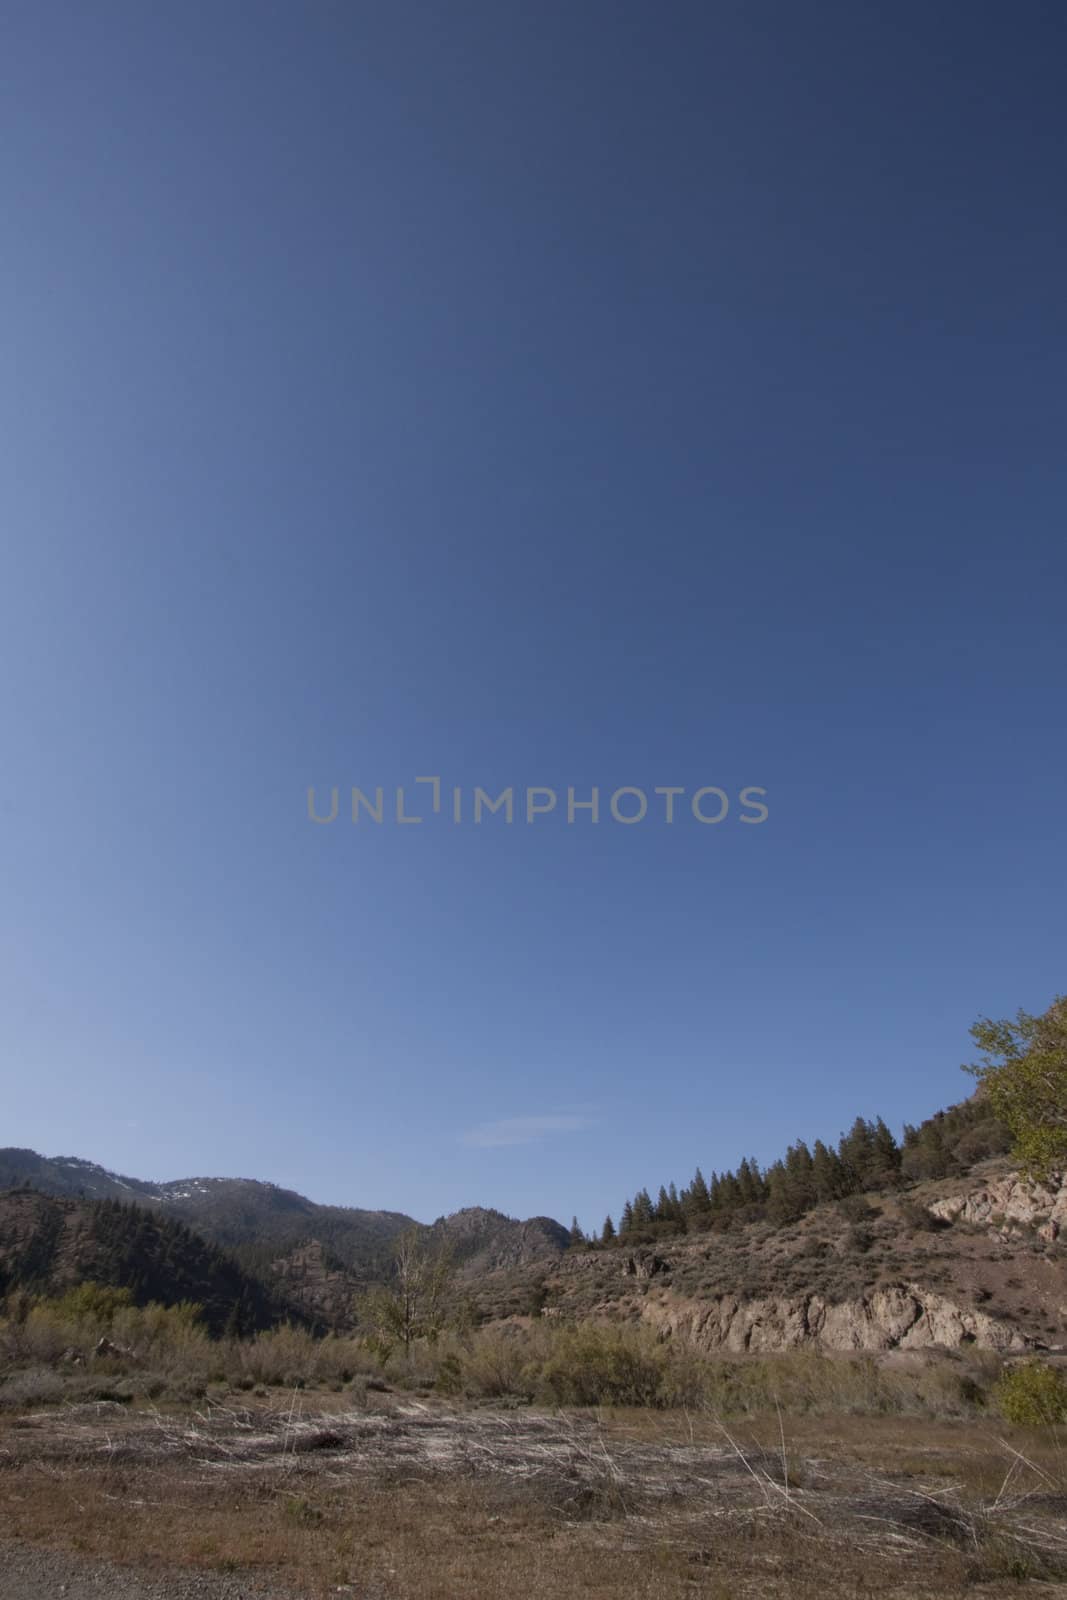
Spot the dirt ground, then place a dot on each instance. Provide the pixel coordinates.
(404, 1499)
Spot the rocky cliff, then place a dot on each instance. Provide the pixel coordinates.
(901, 1317)
(976, 1261)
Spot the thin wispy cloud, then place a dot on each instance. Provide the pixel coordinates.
(521, 1130)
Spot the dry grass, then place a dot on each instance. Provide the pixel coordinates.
(419, 1500)
(799, 1475)
(49, 1354)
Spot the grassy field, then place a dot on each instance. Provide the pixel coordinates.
(529, 1459)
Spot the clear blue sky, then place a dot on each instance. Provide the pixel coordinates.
(539, 394)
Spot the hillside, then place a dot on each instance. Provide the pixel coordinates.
(971, 1260)
(863, 1244)
(483, 1246)
(50, 1244)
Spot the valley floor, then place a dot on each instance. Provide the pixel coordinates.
(408, 1498)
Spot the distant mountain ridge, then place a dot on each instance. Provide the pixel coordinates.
(241, 1214)
(52, 1243)
(320, 1257)
(69, 1175)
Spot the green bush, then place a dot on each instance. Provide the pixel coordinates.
(593, 1366)
(92, 1302)
(492, 1363)
(1032, 1395)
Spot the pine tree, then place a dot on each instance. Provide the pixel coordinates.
(798, 1164)
(827, 1173)
(749, 1183)
(608, 1235)
(696, 1203)
(781, 1199)
(858, 1155)
(926, 1154)
(885, 1154)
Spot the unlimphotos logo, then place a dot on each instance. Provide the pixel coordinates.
(627, 805)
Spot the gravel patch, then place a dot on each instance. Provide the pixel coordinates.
(28, 1573)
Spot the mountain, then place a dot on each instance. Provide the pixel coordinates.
(974, 1257)
(49, 1244)
(482, 1240)
(257, 1221)
(68, 1175)
(317, 1258)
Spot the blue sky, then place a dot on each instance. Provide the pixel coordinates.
(533, 395)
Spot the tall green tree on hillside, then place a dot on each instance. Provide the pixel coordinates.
(696, 1204)
(750, 1182)
(827, 1174)
(1024, 1073)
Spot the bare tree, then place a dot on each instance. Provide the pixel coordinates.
(412, 1305)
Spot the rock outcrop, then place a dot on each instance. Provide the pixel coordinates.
(1007, 1205)
(319, 1287)
(644, 1264)
(901, 1317)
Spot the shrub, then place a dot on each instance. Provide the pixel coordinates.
(33, 1388)
(604, 1366)
(1032, 1395)
(857, 1208)
(95, 1303)
(294, 1359)
(494, 1363)
(918, 1219)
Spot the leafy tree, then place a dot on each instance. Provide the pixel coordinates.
(1024, 1074)
(1032, 1395)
